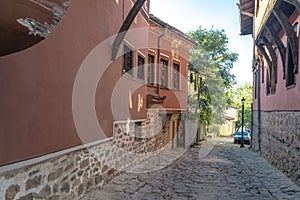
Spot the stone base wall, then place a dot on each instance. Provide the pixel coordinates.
(71, 175)
(67, 176)
(255, 132)
(279, 140)
(145, 136)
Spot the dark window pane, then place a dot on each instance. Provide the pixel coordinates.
(127, 60)
(140, 70)
(176, 76)
(151, 73)
(268, 82)
(164, 73)
(290, 76)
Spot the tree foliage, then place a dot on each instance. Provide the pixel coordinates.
(212, 60)
(215, 43)
(235, 96)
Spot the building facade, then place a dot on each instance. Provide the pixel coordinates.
(82, 102)
(276, 110)
(230, 119)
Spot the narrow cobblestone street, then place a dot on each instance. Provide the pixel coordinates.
(223, 172)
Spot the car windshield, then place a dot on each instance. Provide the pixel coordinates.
(240, 133)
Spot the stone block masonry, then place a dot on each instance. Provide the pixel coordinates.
(66, 176)
(279, 140)
(72, 175)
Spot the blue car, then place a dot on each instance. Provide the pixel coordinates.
(238, 137)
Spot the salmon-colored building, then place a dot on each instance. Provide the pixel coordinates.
(77, 96)
(274, 25)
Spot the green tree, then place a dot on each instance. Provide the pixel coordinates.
(215, 43)
(212, 59)
(235, 96)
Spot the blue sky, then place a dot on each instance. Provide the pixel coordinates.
(188, 15)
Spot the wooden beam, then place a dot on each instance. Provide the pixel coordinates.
(247, 13)
(246, 5)
(295, 3)
(125, 27)
(260, 36)
(262, 65)
(279, 44)
(289, 31)
(273, 56)
(263, 52)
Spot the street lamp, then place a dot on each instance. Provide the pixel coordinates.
(242, 141)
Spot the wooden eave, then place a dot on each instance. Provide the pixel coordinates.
(281, 48)
(246, 16)
(272, 53)
(263, 52)
(269, 35)
(294, 3)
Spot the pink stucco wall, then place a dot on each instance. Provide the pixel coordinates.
(284, 99)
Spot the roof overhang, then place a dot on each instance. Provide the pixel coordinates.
(246, 16)
(268, 40)
(174, 30)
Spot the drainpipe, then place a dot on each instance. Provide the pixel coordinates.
(158, 59)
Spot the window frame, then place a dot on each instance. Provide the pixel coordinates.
(290, 69)
(151, 70)
(140, 67)
(164, 73)
(268, 81)
(290, 78)
(176, 76)
(128, 53)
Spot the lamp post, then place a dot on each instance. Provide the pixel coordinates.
(242, 141)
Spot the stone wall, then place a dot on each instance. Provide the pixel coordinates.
(71, 175)
(143, 137)
(67, 176)
(280, 140)
(255, 136)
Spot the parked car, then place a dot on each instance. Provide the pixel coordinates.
(238, 137)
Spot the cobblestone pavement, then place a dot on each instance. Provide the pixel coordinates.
(222, 172)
